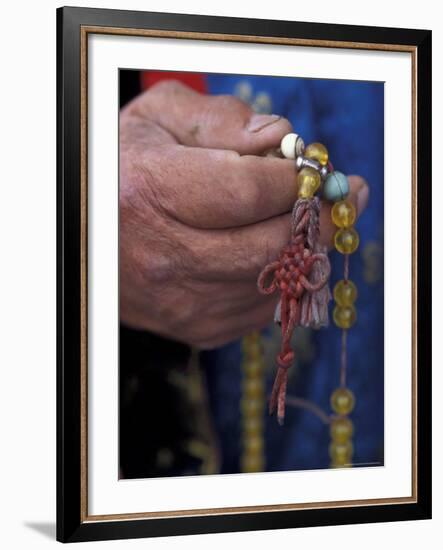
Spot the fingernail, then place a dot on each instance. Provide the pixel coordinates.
(362, 198)
(258, 122)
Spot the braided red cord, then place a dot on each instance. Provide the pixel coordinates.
(301, 274)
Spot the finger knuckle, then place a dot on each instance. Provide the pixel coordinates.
(168, 86)
(231, 104)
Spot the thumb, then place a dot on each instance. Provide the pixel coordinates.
(215, 122)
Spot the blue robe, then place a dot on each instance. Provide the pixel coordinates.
(348, 118)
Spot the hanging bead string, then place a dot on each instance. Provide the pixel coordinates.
(253, 405)
(346, 267)
(344, 339)
(301, 403)
(302, 270)
(343, 358)
(301, 274)
(346, 242)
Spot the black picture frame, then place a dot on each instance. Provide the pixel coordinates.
(72, 525)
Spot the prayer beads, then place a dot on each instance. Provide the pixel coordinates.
(341, 429)
(292, 146)
(318, 152)
(308, 181)
(342, 401)
(343, 214)
(346, 240)
(345, 293)
(336, 186)
(252, 405)
(344, 317)
(341, 453)
(301, 274)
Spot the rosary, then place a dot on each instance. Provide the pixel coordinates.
(301, 275)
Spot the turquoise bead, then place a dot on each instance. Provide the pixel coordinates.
(336, 187)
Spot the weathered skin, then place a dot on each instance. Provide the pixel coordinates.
(201, 213)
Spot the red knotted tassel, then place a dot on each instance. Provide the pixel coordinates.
(301, 274)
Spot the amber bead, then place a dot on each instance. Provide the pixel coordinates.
(341, 453)
(343, 214)
(346, 240)
(344, 317)
(254, 353)
(253, 388)
(253, 368)
(308, 181)
(318, 152)
(341, 465)
(341, 429)
(252, 339)
(253, 445)
(253, 426)
(252, 463)
(342, 401)
(252, 407)
(345, 293)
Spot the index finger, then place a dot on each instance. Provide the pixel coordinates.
(214, 189)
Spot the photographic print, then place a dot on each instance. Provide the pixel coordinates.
(209, 176)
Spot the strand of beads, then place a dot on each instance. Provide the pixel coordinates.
(253, 405)
(313, 166)
(346, 241)
(301, 272)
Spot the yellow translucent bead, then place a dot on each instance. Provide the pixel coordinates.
(345, 293)
(253, 388)
(253, 336)
(339, 465)
(308, 181)
(253, 445)
(346, 240)
(343, 214)
(254, 353)
(342, 401)
(252, 407)
(341, 429)
(318, 152)
(252, 463)
(341, 453)
(253, 426)
(253, 368)
(344, 317)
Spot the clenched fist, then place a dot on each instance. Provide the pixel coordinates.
(201, 213)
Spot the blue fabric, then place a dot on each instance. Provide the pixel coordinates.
(348, 118)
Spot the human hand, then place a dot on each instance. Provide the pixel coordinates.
(201, 213)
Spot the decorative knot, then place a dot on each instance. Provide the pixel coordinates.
(301, 274)
(285, 361)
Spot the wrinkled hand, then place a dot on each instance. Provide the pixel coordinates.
(201, 213)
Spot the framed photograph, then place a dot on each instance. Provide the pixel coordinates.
(244, 274)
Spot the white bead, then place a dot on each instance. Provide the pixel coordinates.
(292, 146)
